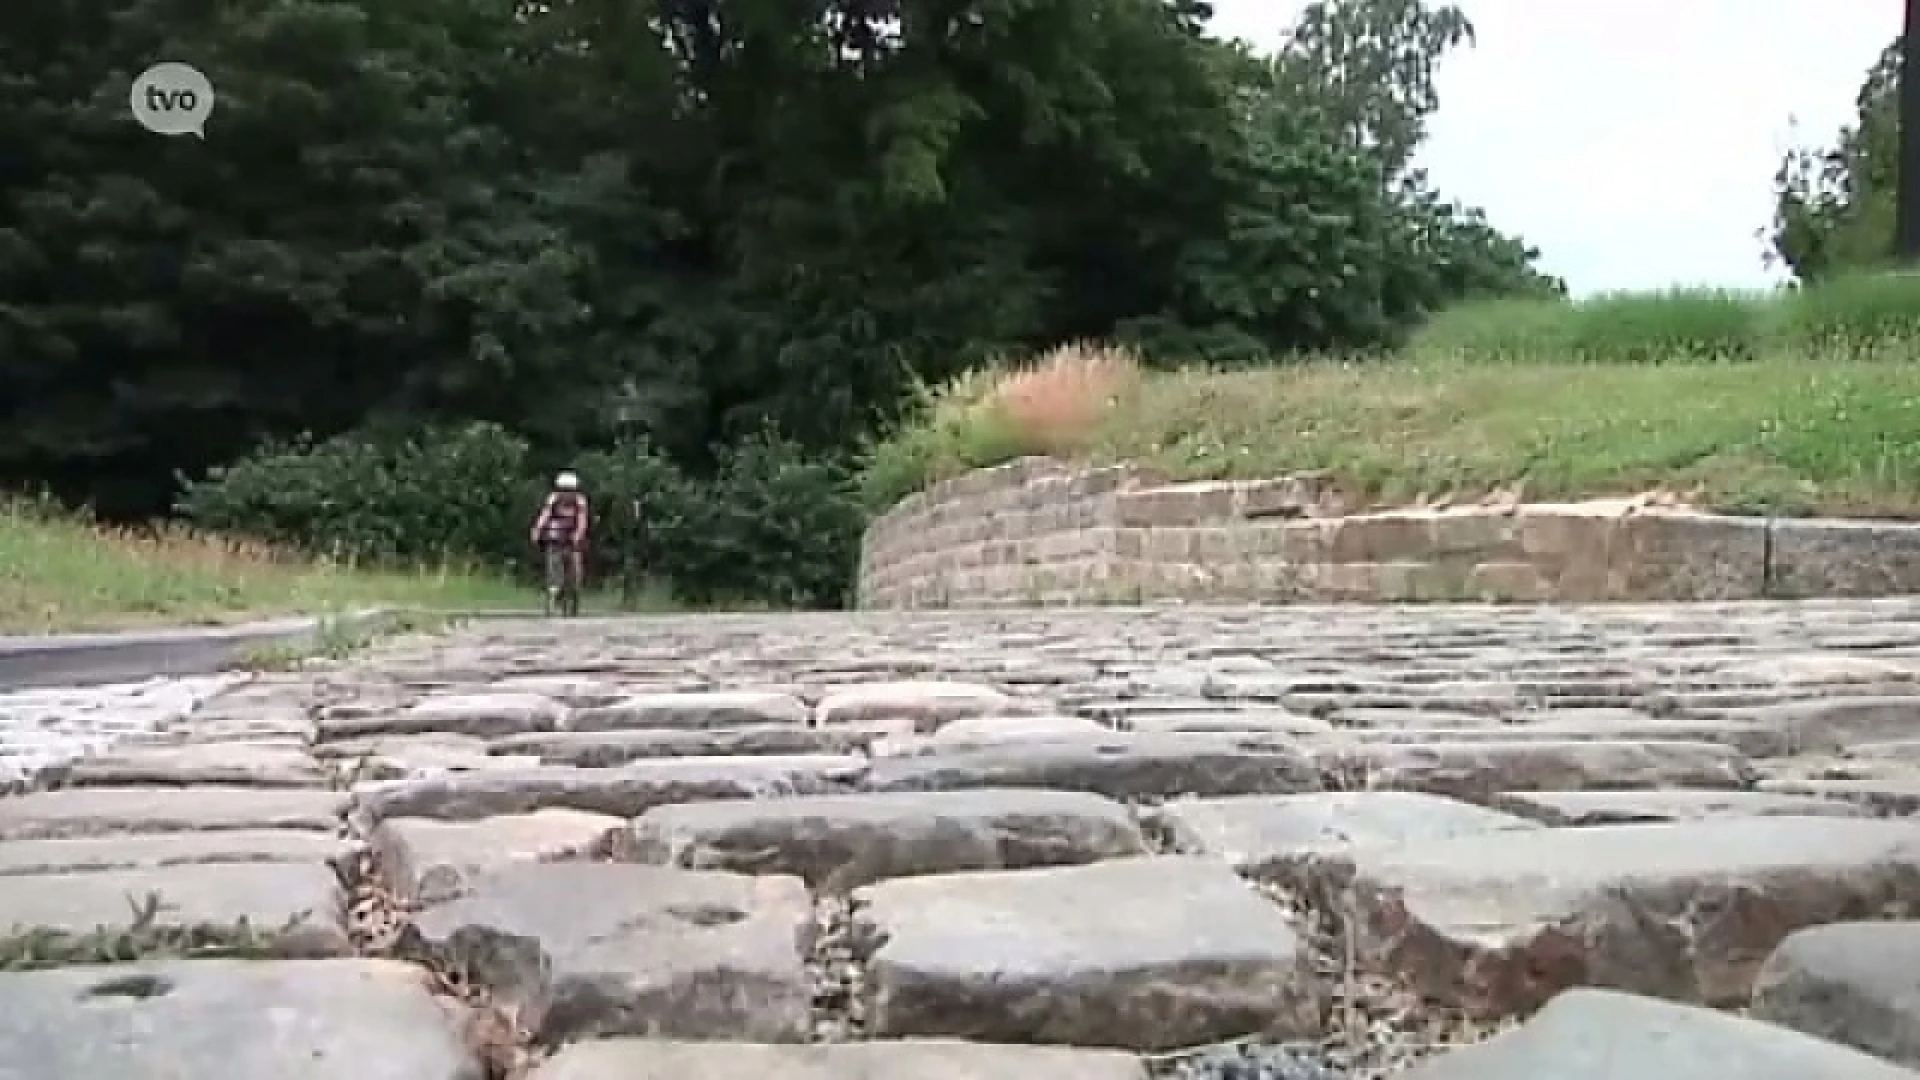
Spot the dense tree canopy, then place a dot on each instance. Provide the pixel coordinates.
(1834, 205)
(684, 221)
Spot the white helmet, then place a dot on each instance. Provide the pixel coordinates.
(566, 481)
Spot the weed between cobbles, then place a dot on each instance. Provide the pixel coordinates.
(144, 937)
(1374, 1027)
(380, 925)
(339, 639)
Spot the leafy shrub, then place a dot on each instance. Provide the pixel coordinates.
(298, 494)
(435, 495)
(944, 432)
(769, 528)
(646, 513)
(774, 527)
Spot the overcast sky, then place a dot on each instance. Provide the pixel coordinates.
(1634, 141)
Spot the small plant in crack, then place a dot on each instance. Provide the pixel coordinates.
(144, 936)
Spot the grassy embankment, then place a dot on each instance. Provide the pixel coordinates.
(60, 574)
(1792, 403)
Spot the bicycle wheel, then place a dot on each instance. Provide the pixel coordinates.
(570, 585)
(556, 580)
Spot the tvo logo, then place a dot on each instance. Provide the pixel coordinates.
(172, 99)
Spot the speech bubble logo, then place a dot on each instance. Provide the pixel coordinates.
(172, 99)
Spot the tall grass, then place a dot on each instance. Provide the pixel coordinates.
(60, 572)
(1867, 315)
(1676, 326)
(1864, 315)
(1798, 401)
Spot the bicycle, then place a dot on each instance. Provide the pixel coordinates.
(563, 582)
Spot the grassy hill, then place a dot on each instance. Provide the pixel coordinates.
(61, 574)
(1801, 402)
(1796, 402)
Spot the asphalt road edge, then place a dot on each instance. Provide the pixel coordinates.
(131, 656)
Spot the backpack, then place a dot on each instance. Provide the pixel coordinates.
(564, 511)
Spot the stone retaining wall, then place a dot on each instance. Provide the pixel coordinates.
(1037, 532)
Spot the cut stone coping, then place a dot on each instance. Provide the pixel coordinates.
(1046, 532)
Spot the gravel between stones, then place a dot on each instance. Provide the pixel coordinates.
(379, 925)
(1247, 1061)
(839, 1001)
(1375, 1027)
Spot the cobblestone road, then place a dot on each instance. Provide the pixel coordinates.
(1110, 844)
(44, 729)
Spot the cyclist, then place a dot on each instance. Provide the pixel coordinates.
(560, 532)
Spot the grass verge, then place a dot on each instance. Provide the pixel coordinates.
(339, 638)
(60, 574)
(1800, 403)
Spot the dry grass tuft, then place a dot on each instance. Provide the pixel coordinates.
(1058, 404)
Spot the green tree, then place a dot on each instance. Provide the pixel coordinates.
(1325, 237)
(358, 234)
(922, 185)
(1371, 65)
(1833, 207)
(1442, 252)
(683, 224)
(1293, 259)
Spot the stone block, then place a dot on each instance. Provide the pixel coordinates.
(1854, 983)
(1148, 953)
(918, 1059)
(249, 1019)
(845, 841)
(1602, 1035)
(601, 949)
(1844, 558)
(1500, 922)
(1671, 556)
(1393, 536)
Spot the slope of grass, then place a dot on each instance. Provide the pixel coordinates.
(1803, 402)
(58, 574)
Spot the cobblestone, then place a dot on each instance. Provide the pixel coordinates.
(42, 729)
(1274, 833)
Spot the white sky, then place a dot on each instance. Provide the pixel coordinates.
(1633, 141)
